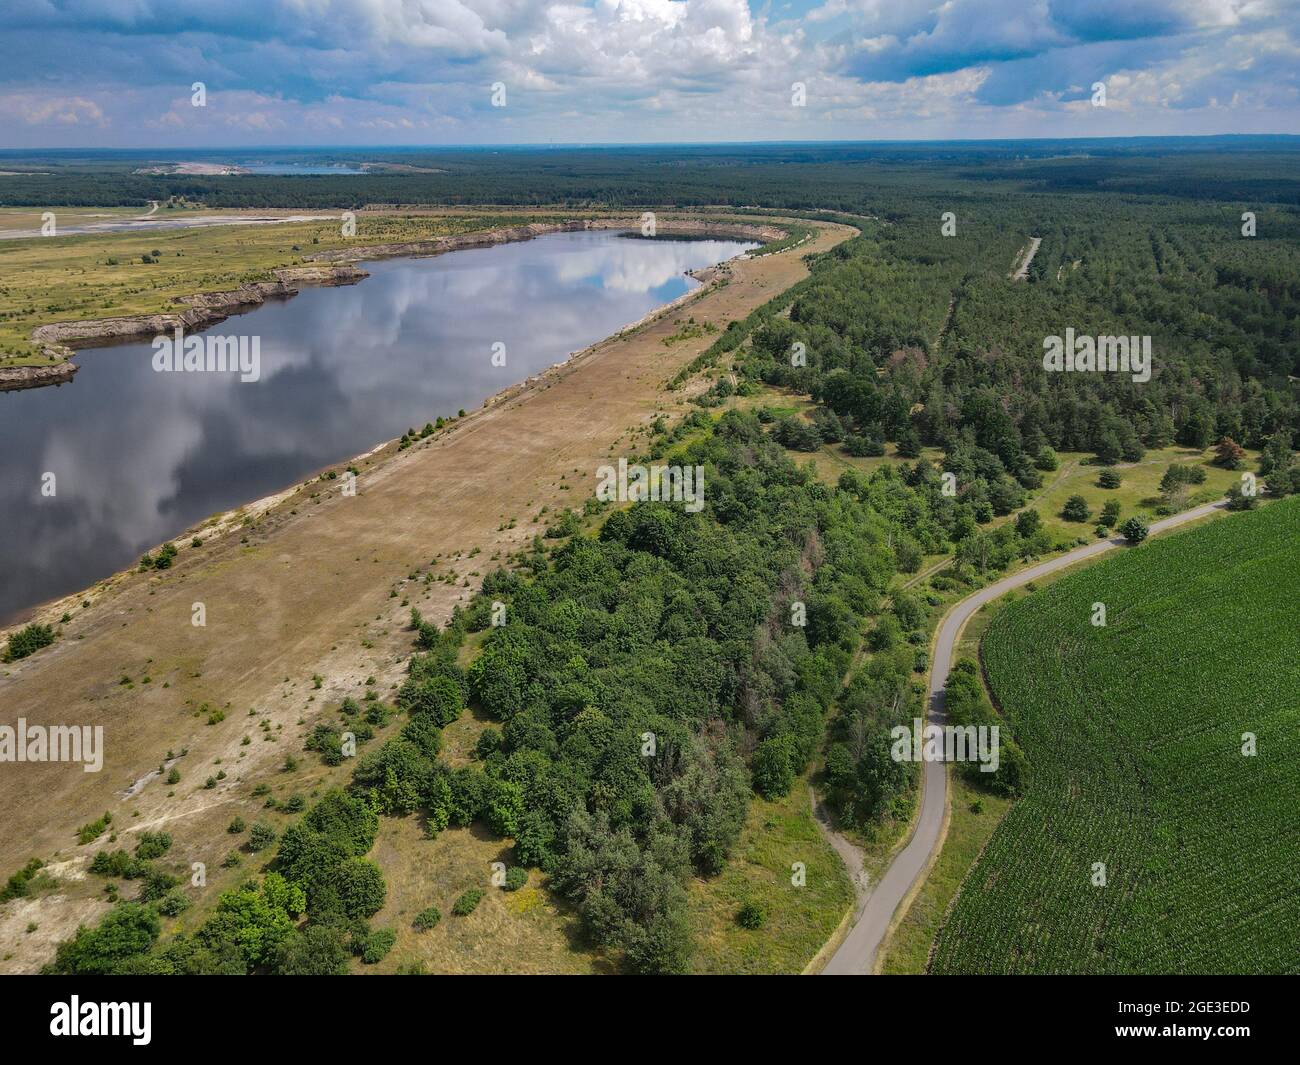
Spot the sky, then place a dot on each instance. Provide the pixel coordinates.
(121, 73)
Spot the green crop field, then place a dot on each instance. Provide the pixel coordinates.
(1134, 732)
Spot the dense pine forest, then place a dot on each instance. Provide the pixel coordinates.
(842, 177)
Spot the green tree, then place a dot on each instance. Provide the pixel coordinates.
(1076, 509)
(1135, 530)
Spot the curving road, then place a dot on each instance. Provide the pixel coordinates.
(857, 954)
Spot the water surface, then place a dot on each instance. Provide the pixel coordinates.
(139, 456)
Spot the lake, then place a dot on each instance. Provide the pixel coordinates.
(138, 456)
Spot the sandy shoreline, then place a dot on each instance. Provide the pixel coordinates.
(57, 340)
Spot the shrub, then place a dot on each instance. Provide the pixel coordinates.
(750, 916)
(174, 903)
(115, 863)
(360, 887)
(516, 877)
(1239, 500)
(1109, 479)
(27, 641)
(19, 885)
(489, 742)
(1229, 454)
(1178, 474)
(156, 885)
(1076, 509)
(1028, 522)
(1135, 530)
(152, 845)
(318, 950)
(862, 447)
(427, 918)
(465, 905)
(773, 767)
(88, 833)
(126, 930)
(260, 837)
(377, 945)
(439, 697)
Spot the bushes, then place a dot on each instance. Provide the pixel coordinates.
(773, 767)
(1178, 474)
(796, 434)
(863, 447)
(1076, 509)
(337, 828)
(91, 831)
(257, 920)
(377, 945)
(156, 884)
(1239, 500)
(1135, 530)
(126, 930)
(174, 903)
(28, 640)
(516, 877)
(439, 697)
(750, 916)
(504, 808)
(163, 560)
(260, 836)
(966, 703)
(395, 779)
(152, 845)
(466, 904)
(317, 950)
(359, 886)
(19, 885)
(115, 863)
(489, 742)
(427, 919)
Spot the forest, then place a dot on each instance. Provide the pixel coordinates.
(855, 178)
(656, 668)
(648, 677)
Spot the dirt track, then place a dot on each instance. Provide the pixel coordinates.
(313, 583)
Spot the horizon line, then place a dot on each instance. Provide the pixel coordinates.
(594, 145)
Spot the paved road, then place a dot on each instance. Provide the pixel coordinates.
(857, 953)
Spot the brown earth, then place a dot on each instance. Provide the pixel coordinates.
(309, 594)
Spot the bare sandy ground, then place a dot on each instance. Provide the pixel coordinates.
(309, 594)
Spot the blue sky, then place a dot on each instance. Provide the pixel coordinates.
(118, 73)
